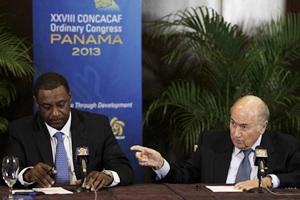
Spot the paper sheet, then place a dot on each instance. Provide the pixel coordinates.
(227, 188)
(53, 190)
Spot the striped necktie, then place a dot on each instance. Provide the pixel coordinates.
(61, 161)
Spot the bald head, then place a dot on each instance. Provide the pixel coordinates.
(253, 105)
(249, 117)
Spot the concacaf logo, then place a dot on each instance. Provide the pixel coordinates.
(106, 4)
(82, 151)
(117, 127)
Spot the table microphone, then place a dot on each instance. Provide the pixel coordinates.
(261, 156)
(82, 158)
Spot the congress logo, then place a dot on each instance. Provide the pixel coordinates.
(106, 4)
(82, 151)
(117, 127)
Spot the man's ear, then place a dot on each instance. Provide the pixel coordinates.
(70, 94)
(265, 126)
(35, 101)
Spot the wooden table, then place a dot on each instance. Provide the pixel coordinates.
(166, 192)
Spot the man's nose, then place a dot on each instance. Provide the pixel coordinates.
(237, 131)
(55, 111)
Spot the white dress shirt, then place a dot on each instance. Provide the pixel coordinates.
(68, 147)
(236, 159)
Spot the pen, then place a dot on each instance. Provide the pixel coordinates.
(28, 193)
(50, 170)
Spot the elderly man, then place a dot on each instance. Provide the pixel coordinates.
(47, 143)
(220, 156)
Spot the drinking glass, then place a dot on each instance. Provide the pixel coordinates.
(10, 170)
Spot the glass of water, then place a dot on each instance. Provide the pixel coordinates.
(10, 170)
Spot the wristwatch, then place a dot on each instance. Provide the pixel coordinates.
(108, 173)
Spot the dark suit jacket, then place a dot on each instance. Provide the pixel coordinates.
(211, 162)
(29, 140)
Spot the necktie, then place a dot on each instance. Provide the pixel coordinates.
(244, 170)
(61, 161)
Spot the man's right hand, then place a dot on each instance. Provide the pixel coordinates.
(148, 157)
(41, 174)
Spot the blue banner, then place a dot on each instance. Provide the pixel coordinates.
(96, 45)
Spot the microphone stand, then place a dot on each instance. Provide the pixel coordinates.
(260, 189)
(83, 168)
(261, 174)
(82, 160)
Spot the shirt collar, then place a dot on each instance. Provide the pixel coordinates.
(257, 143)
(65, 130)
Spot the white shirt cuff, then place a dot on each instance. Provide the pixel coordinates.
(116, 179)
(21, 179)
(163, 171)
(275, 180)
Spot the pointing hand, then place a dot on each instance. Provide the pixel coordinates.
(148, 157)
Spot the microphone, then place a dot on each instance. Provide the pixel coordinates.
(82, 158)
(261, 156)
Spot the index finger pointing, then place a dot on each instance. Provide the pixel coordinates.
(137, 148)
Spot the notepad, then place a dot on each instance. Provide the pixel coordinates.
(227, 188)
(52, 190)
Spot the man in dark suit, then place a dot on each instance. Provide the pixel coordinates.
(34, 141)
(220, 155)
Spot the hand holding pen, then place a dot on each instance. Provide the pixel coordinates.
(42, 174)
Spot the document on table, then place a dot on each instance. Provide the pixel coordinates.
(227, 188)
(52, 190)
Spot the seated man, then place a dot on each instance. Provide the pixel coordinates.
(220, 156)
(48, 142)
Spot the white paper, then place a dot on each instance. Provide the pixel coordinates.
(53, 190)
(227, 188)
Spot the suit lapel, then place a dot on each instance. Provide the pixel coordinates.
(267, 144)
(222, 160)
(42, 141)
(79, 139)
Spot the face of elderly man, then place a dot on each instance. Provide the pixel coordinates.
(247, 121)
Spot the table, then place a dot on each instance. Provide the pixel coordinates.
(165, 192)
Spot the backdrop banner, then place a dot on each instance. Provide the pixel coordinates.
(96, 45)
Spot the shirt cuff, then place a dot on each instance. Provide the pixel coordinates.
(163, 171)
(116, 179)
(275, 180)
(21, 179)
